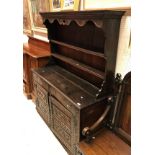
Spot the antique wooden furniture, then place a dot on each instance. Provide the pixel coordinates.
(122, 116)
(116, 141)
(76, 88)
(35, 54)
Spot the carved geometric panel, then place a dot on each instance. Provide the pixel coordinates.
(42, 103)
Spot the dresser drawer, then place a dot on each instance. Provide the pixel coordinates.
(61, 98)
(40, 81)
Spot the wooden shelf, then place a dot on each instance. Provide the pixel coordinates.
(99, 54)
(80, 65)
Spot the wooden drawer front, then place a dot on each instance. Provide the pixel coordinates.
(60, 97)
(42, 104)
(40, 81)
(42, 94)
(62, 122)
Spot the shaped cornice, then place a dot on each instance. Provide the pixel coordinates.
(81, 17)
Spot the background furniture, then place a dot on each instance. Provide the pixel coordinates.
(36, 54)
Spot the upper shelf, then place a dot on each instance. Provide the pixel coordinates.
(81, 66)
(79, 49)
(81, 17)
(85, 42)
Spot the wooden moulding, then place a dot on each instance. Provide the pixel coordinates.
(81, 17)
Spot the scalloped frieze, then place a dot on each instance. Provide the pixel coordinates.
(97, 23)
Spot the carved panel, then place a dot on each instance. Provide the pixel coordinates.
(61, 129)
(42, 94)
(62, 122)
(65, 120)
(62, 126)
(42, 104)
(43, 110)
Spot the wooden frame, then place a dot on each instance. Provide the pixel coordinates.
(27, 21)
(55, 5)
(37, 6)
(70, 5)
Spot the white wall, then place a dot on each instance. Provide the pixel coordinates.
(123, 65)
(105, 4)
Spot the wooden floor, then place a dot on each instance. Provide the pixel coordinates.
(105, 143)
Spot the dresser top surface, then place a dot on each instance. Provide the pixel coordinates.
(35, 51)
(97, 14)
(80, 92)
